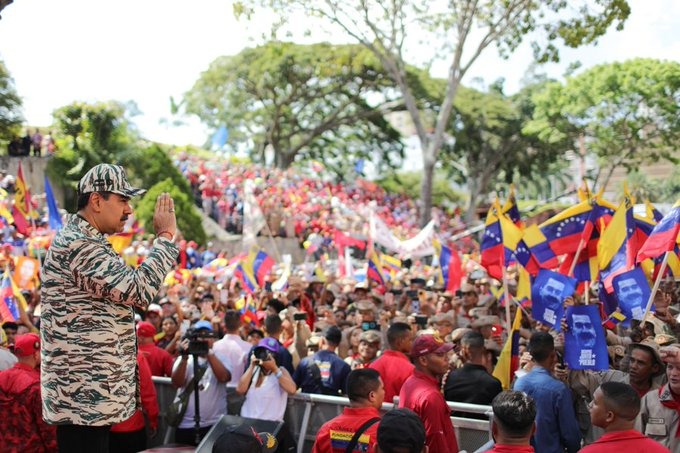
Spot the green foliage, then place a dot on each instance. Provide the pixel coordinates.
(10, 106)
(408, 183)
(98, 133)
(188, 220)
(656, 190)
(158, 167)
(457, 32)
(629, 112)
(301, 101)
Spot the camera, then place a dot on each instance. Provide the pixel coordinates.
(261, 353)
(300, 316)
(197, 341)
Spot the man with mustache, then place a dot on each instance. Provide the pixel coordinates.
(584, 331)
(551, 294)
(89, 375)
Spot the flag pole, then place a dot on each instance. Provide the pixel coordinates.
(587, 291)
(657, 282)
(578, 252)
(508, 321)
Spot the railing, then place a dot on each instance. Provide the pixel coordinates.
(307, 412)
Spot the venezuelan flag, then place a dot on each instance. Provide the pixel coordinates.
(616, 248)
(246, 307)
(374, 270)
(21, 210)
(450, 267)
(664, 236)
(508, 361)
(391, 264)
(501, 237)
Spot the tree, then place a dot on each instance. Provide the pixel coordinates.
(99, 133)
(10, 106)
(491, 147)
(456, 30)
(304, 101)
(188, 220)
(627, 112)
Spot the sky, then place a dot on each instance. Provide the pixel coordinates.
(145, 51)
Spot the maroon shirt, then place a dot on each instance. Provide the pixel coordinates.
(630, 441)
(22, 424)
(422, 395)
(394, 368)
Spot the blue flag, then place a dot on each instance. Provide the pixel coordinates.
(547, 296)
(632, 291)
(220, 136)
(52, 209)
(585, 347)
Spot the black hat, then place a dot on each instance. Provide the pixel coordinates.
(244, 439)
(401, 428)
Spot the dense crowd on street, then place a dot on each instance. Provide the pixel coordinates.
(408, 341)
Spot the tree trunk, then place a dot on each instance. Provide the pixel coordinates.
(473, 189)
(283, 160)
(426, 188)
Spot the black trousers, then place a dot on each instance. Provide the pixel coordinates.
(83, 439)
(187, 436)
(129, 442)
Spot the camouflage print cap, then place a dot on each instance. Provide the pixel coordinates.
(108, 178)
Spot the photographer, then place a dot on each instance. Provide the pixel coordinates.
(212, 391)
(267, 386)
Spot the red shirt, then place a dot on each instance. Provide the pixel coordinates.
(630, 441)
(394, 368)
(147, 392)
(422, 395)
(160, 361)
(335, 434)
(22, 427)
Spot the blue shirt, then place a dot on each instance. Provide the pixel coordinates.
(556, 425)
(328, 377)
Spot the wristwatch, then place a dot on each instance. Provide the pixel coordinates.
(279, 373)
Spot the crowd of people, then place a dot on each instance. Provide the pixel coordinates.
(107, 325)
(34, 144)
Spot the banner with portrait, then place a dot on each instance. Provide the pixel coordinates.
(547, 296)
(585, 346)
(632, 291)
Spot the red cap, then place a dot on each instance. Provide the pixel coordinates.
(146, 329)
(26, 344)
(427, 344)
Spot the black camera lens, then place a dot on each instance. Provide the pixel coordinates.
(261, 353)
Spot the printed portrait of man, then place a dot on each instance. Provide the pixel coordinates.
(583, 330)
(551, 293)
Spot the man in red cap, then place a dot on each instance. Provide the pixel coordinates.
(422, 395)
(160, 361)
(20, 402)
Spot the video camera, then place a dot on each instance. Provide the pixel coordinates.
(197, 341)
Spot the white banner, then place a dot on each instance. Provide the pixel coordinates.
(253, 219)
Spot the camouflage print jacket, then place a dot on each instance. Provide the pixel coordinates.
(88, 369)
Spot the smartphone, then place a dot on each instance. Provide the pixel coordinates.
(560, 358)
(372, 325)
(459, 293)
(421, 320)
(300, 316)
(415, 306)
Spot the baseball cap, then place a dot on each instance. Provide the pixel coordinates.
(270, 344)
(26, 344)
(203, 325)
(146, 329)
(401, 428)
(244, 439)
(370, 336)
(154, 308)
(487, 320)
(108, 178)
(652, 347)
(429, 343)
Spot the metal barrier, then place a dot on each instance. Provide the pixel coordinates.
(307, 412)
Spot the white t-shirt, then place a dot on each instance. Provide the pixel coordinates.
(266, 402)
(212, 394)
(236, 351)
(7, 359)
